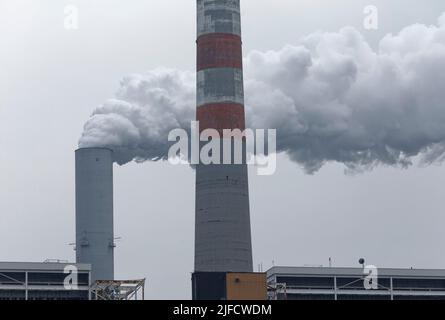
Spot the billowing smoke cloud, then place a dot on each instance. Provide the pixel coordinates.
(331, 98)
(136, 124)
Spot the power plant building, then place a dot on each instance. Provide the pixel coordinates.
(229, 286)
(44, 281)
(322, 283)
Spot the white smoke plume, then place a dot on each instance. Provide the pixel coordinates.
(331, 97)
(137, 122)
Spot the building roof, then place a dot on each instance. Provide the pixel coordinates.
(41, 266)
(328, 271)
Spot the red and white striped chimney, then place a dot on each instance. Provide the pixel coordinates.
(222, 228)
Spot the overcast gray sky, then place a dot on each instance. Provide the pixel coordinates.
(51, 79)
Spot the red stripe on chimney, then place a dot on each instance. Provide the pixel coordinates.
(221, 116)
(219, 50)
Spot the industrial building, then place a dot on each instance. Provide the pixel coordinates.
(324, 283)
(229, 286)
(43, 281)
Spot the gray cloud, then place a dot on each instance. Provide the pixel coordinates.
(331, 98)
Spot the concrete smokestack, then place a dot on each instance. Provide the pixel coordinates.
(94, 211)
(222, 226)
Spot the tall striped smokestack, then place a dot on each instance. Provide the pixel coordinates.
(222, 226)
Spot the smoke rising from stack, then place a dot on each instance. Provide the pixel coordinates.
(331, 97)
(136, 123)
